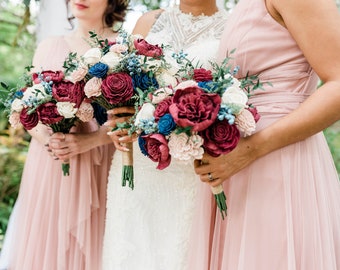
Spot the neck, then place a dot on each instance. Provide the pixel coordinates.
(197, 8)
(83, 29)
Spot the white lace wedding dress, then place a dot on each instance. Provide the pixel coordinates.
(148, 228)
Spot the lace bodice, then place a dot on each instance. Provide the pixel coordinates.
(196, 35)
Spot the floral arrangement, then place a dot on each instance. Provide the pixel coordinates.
(119, 73)
(50, 99)
(208, 112)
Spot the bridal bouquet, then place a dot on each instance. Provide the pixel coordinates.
(206, 112)
(118, 74)
(48, 98)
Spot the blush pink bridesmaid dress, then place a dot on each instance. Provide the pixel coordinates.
(59, 221)
(284, 209)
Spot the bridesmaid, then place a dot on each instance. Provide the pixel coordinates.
(59, 220)
(283, 192)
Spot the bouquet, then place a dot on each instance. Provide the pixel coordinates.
(207, 111)
(118, 74)
(48, 98)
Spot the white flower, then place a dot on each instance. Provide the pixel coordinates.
(111, 59)
(92, 56)
(235, 81)
(161, 94)
(235, 98)
(66, 109)
(146, 112)
(186, 84)
(173, 65)
(166, 79)
(37, 91)
(17, 105)
(185, 148)
(151, 63)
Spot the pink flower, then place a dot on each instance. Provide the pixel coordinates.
(147, 49)
(186, 148)
(220, 138)
(245, 122)
(192, 107)
(85, 112)
(29, 121)
(118, 48)
(117, 88)
(14, 119)
(158, 151)
(93, 87)
(79, 74)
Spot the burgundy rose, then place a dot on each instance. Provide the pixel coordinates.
(157, 149)
(254, 112)
(48, 113)
(220, 138)
(193, 107)
(202, 75)
(29, 121)
(117, 88)
(147, 49)
(77, 94)
(62, 90)
(48, 75)
(162, 108)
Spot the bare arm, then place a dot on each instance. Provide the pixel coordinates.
(315, 27)
(145, 22)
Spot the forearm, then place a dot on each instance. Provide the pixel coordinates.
(40, 133)
(318, 112)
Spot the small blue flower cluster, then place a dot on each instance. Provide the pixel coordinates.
(226, 113)
(133, 64)
(180, 56)
(148, 125)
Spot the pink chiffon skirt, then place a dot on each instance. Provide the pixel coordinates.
(59, 222)
(283, 213)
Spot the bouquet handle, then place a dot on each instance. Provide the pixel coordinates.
(220, 198)
(127, 172)
(65, 166)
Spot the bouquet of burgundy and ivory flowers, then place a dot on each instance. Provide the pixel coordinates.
(119, 73)
(50, 99)
(206, 112)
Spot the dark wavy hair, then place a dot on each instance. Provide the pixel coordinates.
(115, 12)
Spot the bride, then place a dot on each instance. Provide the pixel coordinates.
(148, 228)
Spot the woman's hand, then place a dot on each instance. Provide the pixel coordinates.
(215, 170)
(64, 146)
(120, 137)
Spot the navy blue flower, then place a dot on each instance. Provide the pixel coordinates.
(99, 113)
(143, 81)
(141, 143)
(166, 124)
(99, 70)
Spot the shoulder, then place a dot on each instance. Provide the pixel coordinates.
(146, 21)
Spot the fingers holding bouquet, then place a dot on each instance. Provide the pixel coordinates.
(117, 119)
